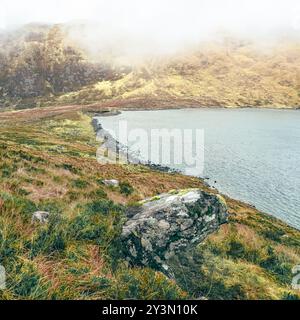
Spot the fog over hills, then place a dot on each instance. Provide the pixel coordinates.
(222, 53)
(155, 27)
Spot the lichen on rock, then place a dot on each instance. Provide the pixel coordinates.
(162, 227)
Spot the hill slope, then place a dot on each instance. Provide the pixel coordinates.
(41, 65)
(47, 162)
(236, 76)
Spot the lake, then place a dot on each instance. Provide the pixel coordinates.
(249, 154)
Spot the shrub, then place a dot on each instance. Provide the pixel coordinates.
(236, 249)
(55, 207)
(80, 184)
(144, 284)
(273, 234)
(126, 188)
(7, 170)
(50, 238)
(26, 282)
(102, 206)
(8, 245)
(16, 204)
(98, 193)
(99, 221)
(277, 266)
(83, 228)
(290, 296)
(68, 167)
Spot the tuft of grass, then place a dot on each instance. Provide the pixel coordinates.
(80, 184)
(50, 239)
(126, 188)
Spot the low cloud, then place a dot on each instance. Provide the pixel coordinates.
(138, 27)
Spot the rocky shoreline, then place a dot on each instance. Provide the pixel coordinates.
(110, 143)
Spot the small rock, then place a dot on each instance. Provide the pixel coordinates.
(40, 216)
(111, 183)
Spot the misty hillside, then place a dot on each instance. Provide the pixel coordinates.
(41, 65)
(38, 61)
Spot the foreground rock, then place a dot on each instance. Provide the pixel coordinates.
(166, 224)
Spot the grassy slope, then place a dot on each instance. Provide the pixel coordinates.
(47, 162)
(216, 75)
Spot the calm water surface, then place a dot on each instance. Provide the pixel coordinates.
(252, 154)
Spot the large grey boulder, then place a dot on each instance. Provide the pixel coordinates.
(164, 225)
